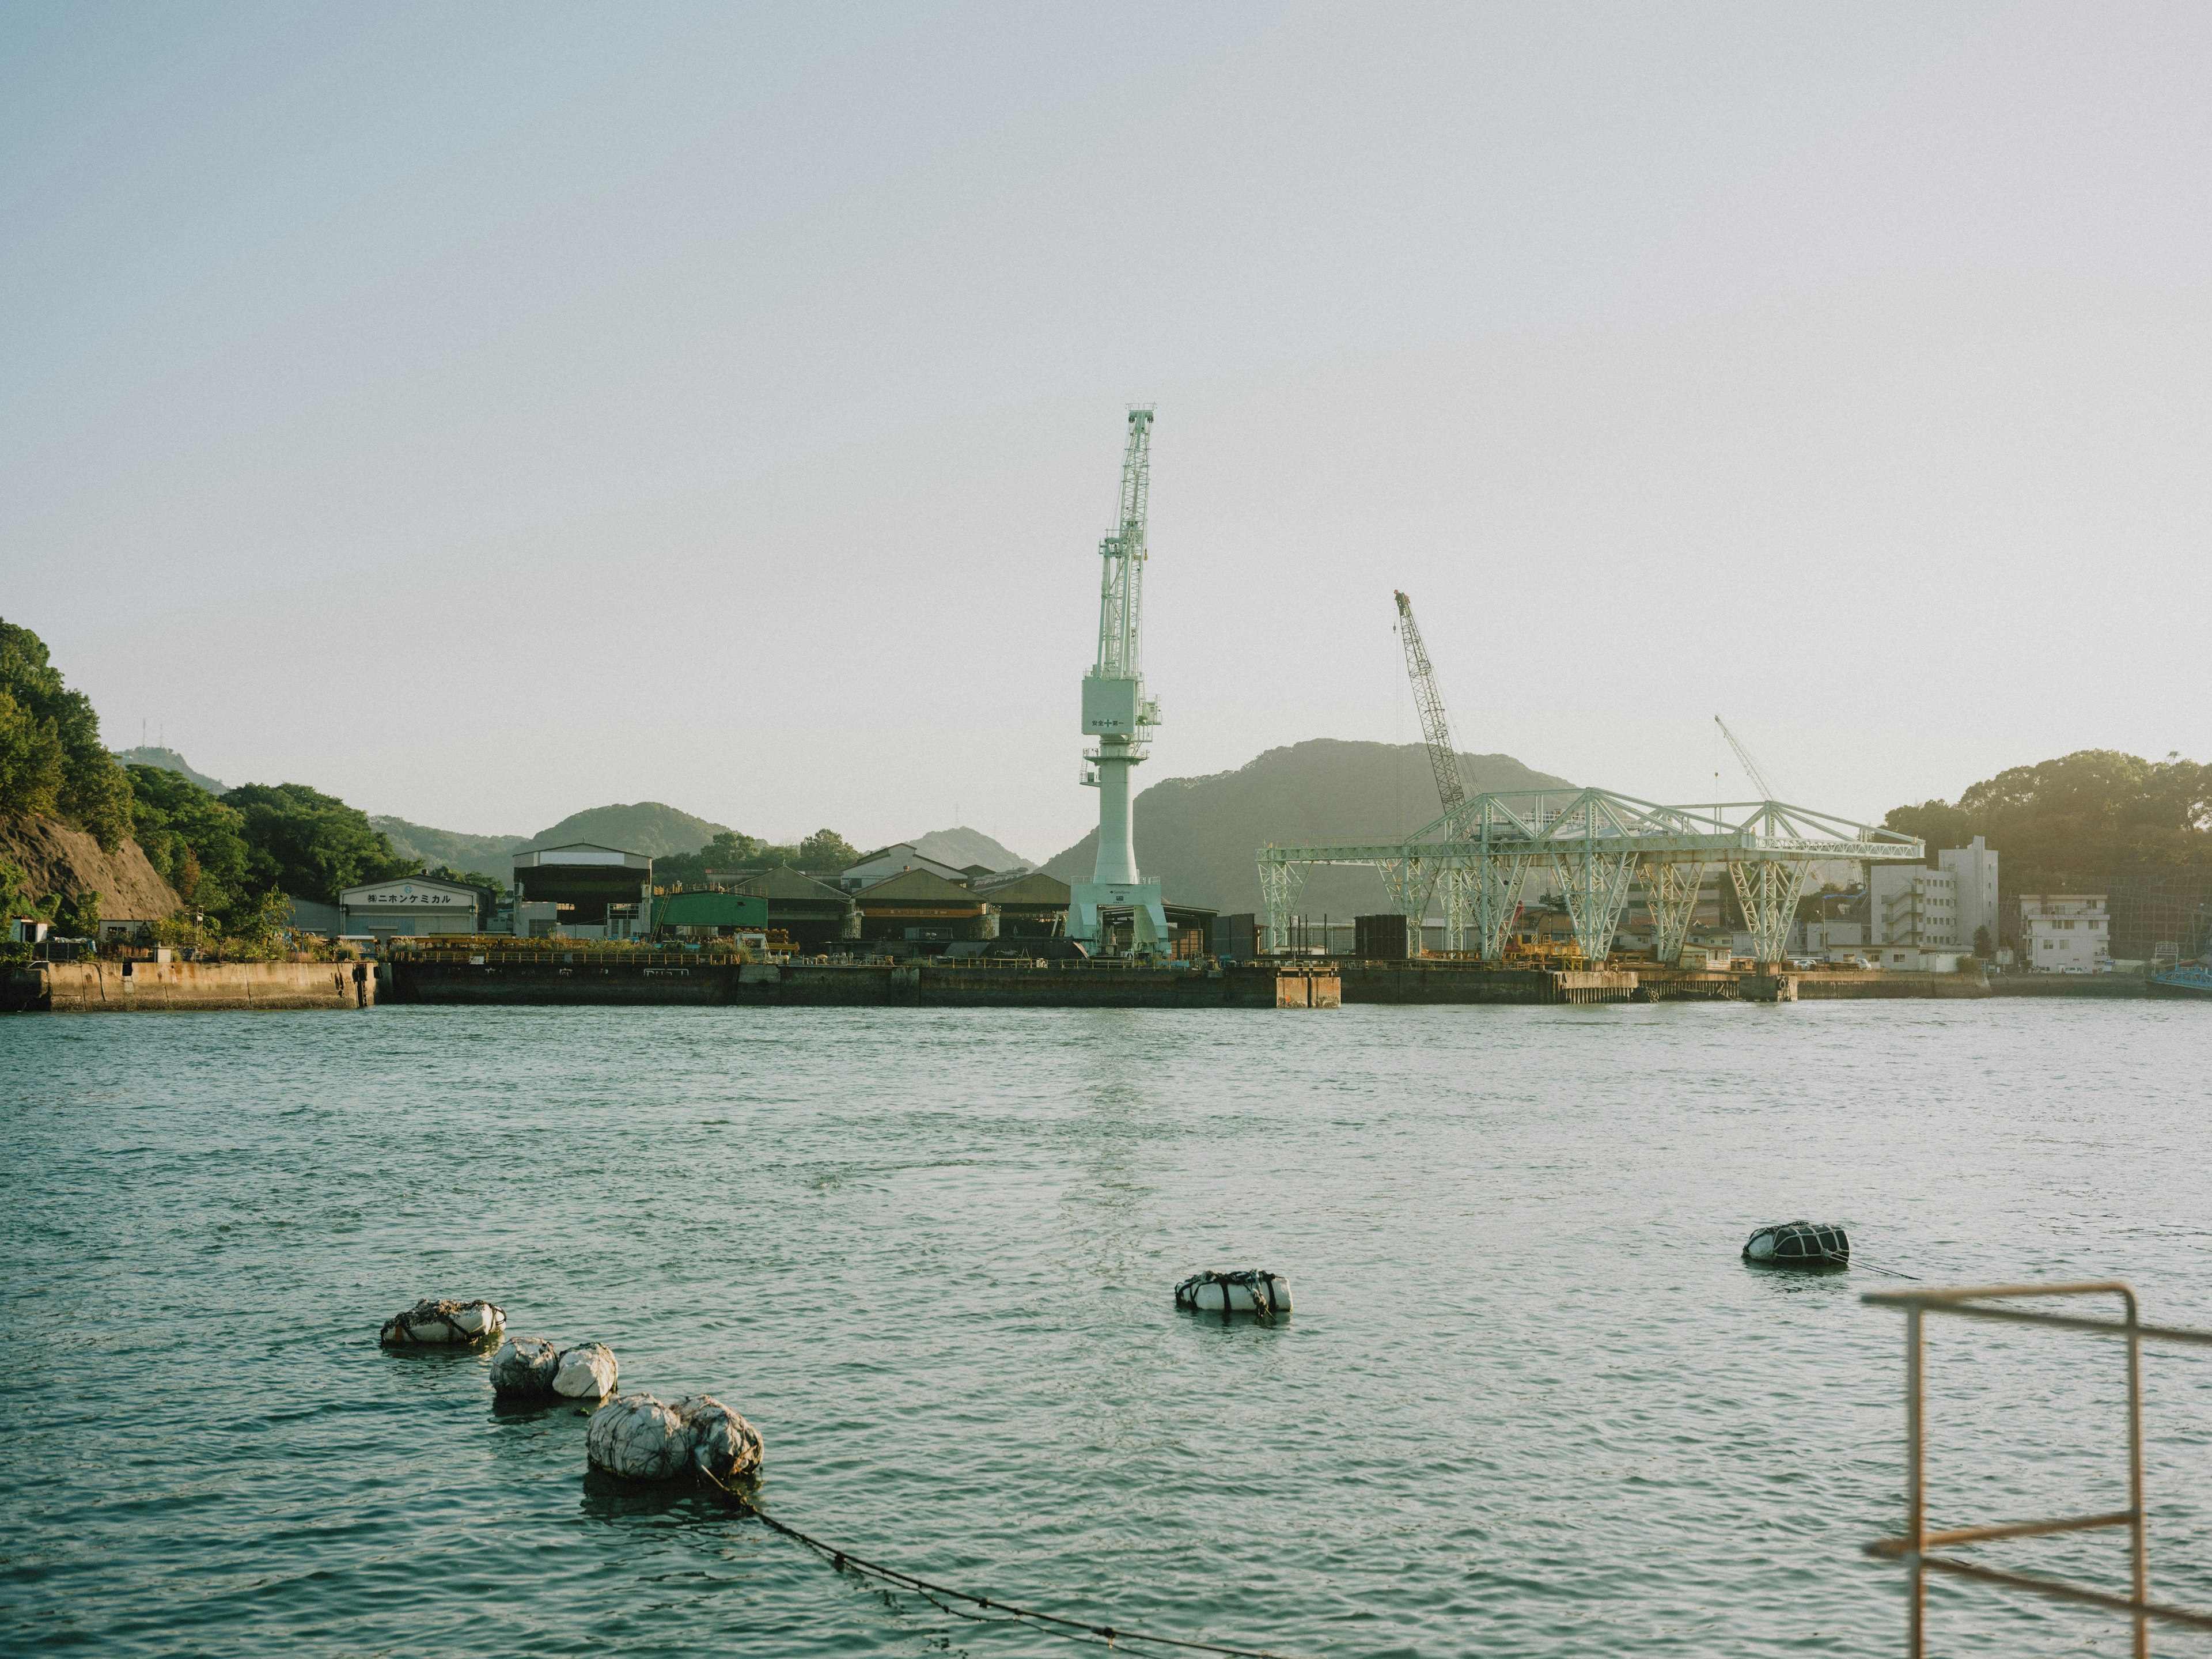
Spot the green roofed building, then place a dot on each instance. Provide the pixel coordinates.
(712, 910)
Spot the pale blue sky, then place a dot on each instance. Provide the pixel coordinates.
(485, 412)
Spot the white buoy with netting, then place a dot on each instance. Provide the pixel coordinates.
(523, 1368)
(1251, 1291)
(587, 1373)
(642, 1437)
(430, 1320)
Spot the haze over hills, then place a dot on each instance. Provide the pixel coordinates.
(481, 854)
(1196, 836)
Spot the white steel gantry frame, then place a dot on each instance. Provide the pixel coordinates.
(1595, 844)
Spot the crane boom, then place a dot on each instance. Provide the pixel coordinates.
(1436, 725)
(1122, 554)
(1750, 766)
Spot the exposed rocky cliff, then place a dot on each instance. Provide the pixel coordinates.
(58, 858)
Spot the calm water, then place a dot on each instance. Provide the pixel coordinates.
(1530, 1402)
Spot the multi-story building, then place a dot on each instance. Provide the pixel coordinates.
(1974, 868)
(2062, 933)
(1914, 907)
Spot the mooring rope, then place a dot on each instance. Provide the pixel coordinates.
(1047, 1623)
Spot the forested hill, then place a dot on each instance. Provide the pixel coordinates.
(649, 827)
(451, 848)
(1197, 835)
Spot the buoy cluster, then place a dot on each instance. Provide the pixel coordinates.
(532, 1368)
(638, 1437)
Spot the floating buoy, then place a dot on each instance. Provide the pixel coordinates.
(1250, 1292)
(588, 1372)
(523, 1368)
(443, 1322)
(1798, 1244)
(640, 1437)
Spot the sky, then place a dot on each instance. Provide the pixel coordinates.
(484, 412)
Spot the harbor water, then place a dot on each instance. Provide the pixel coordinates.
(1530, 1401)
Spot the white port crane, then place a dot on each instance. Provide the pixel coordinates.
(1117, 712)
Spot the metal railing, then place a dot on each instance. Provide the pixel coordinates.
(1919, 1548)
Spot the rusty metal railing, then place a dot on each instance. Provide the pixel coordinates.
(1919, 1548)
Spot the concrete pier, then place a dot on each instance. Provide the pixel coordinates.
(148, 987)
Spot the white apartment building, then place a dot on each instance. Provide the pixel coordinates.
(1974, 897)
(2063, 931)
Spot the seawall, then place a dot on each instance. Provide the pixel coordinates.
(583, 977)
(64, 988)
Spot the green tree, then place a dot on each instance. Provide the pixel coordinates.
(16, 898)
(825, 850)
(77, 916)
(51, 759)
(197, 843)
(302, 842)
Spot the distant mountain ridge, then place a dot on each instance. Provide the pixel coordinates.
(169, 760)
(1196, 836)
(481, 855)
(651, 827)
(962, 847)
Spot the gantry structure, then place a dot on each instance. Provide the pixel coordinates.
(1592, 845)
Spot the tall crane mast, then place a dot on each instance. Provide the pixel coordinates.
(1436, 725)
(1750, 766)
(1117, 712)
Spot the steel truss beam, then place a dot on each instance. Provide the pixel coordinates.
(1768, 892)
(1670, 890)
(1281, 881)
(1409, 881)
(1481, 852)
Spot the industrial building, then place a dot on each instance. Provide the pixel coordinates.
(409, 907)
(596, 892)
(812, 914)
(885, 862)
(702, 913)
(920, 909)
(1030, 903)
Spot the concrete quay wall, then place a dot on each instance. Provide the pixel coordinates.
(1418, 981)
(66, 987)
(584, 980)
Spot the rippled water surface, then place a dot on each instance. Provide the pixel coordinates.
(1530, 1402)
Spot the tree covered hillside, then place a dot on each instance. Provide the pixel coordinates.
(52, 762)
(2093, 813)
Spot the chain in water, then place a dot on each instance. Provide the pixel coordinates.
(1048, 1624)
